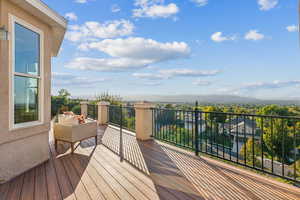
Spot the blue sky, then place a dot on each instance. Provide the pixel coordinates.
(141, 47)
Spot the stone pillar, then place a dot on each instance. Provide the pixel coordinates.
(103, 112)
(84, 108)
(143, 120)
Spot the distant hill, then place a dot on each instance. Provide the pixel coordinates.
(208, 99)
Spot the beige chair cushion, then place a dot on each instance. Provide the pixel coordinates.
(67, 120)
(75, 133)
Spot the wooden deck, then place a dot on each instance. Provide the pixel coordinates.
(123, 168)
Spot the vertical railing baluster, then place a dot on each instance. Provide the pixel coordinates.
(201, 131)
(253, 142)
(206, 129)
(223, 133)
(217, 135)
(231, 145)
(262, 143)
(245, 142)
(196, 130)
(282, 148)
(237, 138)
(295, 148)
(121, 139)
(211, 132)
(272, 137)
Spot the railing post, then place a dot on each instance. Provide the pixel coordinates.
(84, 108)
(196, 129)
(103, 113)
(143, 120)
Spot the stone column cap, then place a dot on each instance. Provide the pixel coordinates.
(103, 103)
(84, 102)
(144, 105)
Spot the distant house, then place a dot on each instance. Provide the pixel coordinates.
(240, 129)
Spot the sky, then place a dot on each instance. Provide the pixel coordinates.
(167, 47)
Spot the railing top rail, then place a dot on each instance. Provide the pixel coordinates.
(120, 106)
(233, 114)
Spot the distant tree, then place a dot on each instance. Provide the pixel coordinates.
(252, 150)
(277, 135)
(64, 93)
(216, 114)
(112, 99)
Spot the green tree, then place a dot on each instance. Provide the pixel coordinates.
(252, 150)
(64, 93)
(277, 134)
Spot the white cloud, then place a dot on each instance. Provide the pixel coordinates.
(267, 4)
(270, 85)
(292, 28)
(218, 37)
(129, 53)
(81, 1)
(67, 79)
(71, 16)
(91, 30)
(171, 73)
(200, 82)
(200, 3)
(115, 8)
(141, 49)
(106, 64)
(152, 83)
(254, 35)
(154, 9)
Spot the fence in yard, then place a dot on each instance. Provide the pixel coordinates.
(265, 143)
(92, 111)
(122, 116)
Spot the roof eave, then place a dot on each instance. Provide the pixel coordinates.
(53, 19)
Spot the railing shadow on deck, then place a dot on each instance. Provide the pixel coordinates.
(179, 173)
(69, 167)
(165, 175)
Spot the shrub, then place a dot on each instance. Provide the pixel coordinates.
(76, 110)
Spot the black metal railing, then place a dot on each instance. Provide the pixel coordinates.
(92, 111)
(270, 144)
(122, 116)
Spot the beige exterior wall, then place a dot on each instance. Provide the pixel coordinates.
(143, 120)
(103, 113)
(24, 148)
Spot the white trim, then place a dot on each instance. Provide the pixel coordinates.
(13, 19)
(42, 7)
(27, 75)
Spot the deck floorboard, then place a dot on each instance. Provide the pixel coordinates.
(124, 168)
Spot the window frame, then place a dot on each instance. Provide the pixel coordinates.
(13, 20)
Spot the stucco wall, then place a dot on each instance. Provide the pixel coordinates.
(15, 144)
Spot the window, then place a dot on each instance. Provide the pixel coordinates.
(26, 74)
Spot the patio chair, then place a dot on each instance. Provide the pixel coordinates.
(71, 131)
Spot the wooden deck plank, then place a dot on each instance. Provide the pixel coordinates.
(119, 176)
(114, 184)
(88, 183)
(64, 183)
(54, 192)
(137, 173)
(15, 188)
(139, 183)
(40, 183)
(78, 187)
(150, 170)
(28, 185)
(103, 186)
(4, 188)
